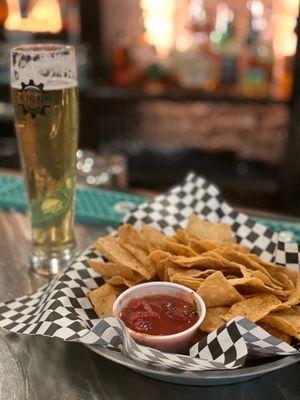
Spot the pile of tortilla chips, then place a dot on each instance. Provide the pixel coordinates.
(206, 258)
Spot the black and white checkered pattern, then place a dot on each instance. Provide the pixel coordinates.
(171, 211)
(226, 348)
(62, 309)
(288, 254)
(259, 342)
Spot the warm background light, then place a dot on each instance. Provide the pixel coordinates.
(158, 21)
(284, 23)
(43, 16)
(165, 22)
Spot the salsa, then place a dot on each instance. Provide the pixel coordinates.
(159, 315)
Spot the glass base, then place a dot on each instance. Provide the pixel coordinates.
(50, 263)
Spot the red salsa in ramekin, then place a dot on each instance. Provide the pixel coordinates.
(159, 314)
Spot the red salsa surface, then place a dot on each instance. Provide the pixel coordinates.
(159, 315)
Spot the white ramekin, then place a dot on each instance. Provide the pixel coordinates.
(176, 343)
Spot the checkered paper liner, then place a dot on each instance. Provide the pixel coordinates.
(62, 309)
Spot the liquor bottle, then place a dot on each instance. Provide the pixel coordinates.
(124, 72)
(225, 45)
(3, 16)
(195, 67)
(258, 65)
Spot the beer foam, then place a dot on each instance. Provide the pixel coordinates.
(49, 85)
(54, 71)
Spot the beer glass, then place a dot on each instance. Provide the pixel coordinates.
(44, 96)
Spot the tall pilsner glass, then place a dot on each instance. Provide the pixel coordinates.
(44, 95)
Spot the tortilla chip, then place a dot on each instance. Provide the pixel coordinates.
(238, 247)
(216, 291)
(158, 259)
(154, 237)
(253, 308)
(275, 332)
(285, 280)
(292, 275)
(158, 241)
(230, 277)
(140, 255)
(294, 298)
(166, 276)
(109, 269)
(209, 261)
(177, 249)
(191, 278)
(103, 299)
(120, 281)
(213, 319)
(286, 321)
(265, 279)
(182, 236)
(205, 230)
(282, 276)
(128, 234)
(206, 245)
(282, 307)
(201, 262)
(201, 246)
(110, 248)
(192, 283)
(255, 286)
(190, 273)
(229, 267)
(268, 265)
(247, 261)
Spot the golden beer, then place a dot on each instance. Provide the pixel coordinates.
(44, 96)
(48, 143)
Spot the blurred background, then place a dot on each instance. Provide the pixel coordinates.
(168, 86)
